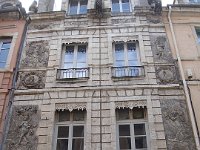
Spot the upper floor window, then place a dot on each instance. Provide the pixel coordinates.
(77, 7)
(198, 34)
(132, 129)
(74, 64)
(126, 59)
(121, 6)
(4, 50)
(194, 1)
(70, 130)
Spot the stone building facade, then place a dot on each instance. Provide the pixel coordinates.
(12, 23)
(99, 76)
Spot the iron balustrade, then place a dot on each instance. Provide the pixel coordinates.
(72, 73)
(128, 71)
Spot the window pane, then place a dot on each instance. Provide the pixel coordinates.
(63, 116)
(68, 65)
(124, 130)
(119, 63)
(115, 6)
(132, 54)
(81, 54)
(81, 65)
(125, 6)
(83, 6)
(69, 54)
(78, 115)
(78, 131)
(140, 142)
(122, 114)
(73, 7)
(198, 34)
(2, 65)
(78, 144)
(62, 144)
(133, 63)
(125, 143)
(6, 46)
(139, 129)
(3, 55)
(63, 132)
(138, 113)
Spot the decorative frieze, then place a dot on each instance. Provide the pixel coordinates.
(177, 125)
(71, 106)
(36, 54)
(22, 131)
(31, 80)
(131, 104)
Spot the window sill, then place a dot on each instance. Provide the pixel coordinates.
(72, 80)
(113, 14)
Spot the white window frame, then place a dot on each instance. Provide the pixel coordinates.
(131, 122)
(4, 40)
(75, 54)
(126, 52)
(120, 7)
(70, 124)
(78, 8)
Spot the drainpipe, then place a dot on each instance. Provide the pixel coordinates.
(13, 86)
(188, 100)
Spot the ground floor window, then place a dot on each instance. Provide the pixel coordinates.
(132, 129)
(70, 130)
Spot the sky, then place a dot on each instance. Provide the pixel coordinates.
(57, 6)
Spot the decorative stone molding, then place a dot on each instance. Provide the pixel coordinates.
(122, 21)
(177, 125)
(131, 104)
(40, 26)
(31, 80)
(36, 54)
(75, 23)
(75, 40)
(166, 74)
(71, 106)
(22, 131)
(125, 38)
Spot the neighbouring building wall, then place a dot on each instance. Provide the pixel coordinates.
(185, 22)
(99, 89)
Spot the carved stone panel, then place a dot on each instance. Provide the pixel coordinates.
(167, 74)
(36, 54)
(177, 125)
(39, 26)
(31, 80)
(23, 126)
(124, 20)
(161, 50)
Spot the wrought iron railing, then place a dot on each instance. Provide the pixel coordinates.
(72, 73)
(128, 71)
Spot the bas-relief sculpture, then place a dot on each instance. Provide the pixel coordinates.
(31, 80)
(177, 125)
(36, 55)
(22, 133)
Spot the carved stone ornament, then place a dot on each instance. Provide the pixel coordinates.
(154, 19)
(166, 74)
(39, 26)
(75, 40)
(22, 130)
(71, 106)
(36, 54)
(161, 50)
(124, 38)
(131, 104)
(122, 21)
(177, 125)
(31, 80)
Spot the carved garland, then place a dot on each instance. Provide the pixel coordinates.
(130, 104)
(71, 106)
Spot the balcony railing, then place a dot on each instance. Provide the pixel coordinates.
(128, 71)
(72, 73)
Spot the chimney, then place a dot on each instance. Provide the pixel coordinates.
(45, 5)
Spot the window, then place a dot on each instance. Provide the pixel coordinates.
(4, 50)
(120, 6)
(74, 62)
(77, 7)
(70, 130)
(132, 129)
(198, 34)
(194, 1)
(126, 60)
